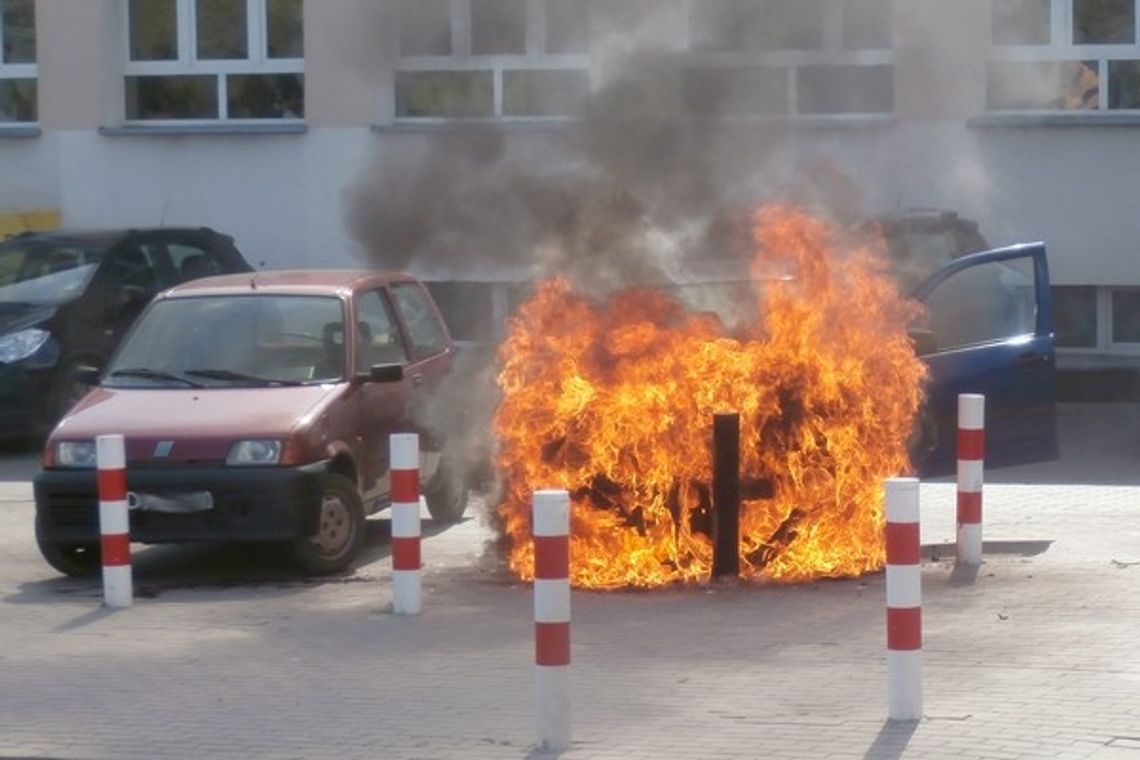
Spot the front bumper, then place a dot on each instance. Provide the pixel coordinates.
(249, 504)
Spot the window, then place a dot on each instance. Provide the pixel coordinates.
(215, 60)
(1064, 55)
(982, 304)
(1126, 315)
(424, 328)
(1075, 316)
(508, 59)
(18, 74)
(809, 57)
(378, 339)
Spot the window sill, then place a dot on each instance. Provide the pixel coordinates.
(19, 130)
(814, 121)
(1038, 119)
(168, 129)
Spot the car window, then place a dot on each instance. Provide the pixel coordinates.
(378, 338)
(424, 328)
(235, 339)
(915, 254)
(135, 266)
(982, 304)
(46, 274)
(191, 262)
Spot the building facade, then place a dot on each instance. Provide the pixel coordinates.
(267, 118)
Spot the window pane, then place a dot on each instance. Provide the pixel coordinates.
(845, 89)
(736, 90)
(222, 29)
(720, 25)
(763, 24)
(153, 30)
(1104, 22)
(544, 93)
(498, 26)
(867, 24)
(420, 318)
(987, 302)
(1126, 316)
(265, 96)
(1021, 22)
(173, 97)
(1074, 313)
(18, 100)
(449, 94)
(468, 308)
(1065, 85)
(1124, 84)
(567, 26)
(378, 339)
(19, 25)
(425, 27)
(285, 24)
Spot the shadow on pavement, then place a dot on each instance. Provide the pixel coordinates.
(158, 569)
(891, 741)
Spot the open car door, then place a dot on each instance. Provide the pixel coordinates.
(988, 329)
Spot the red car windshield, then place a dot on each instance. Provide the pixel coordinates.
(227, 340)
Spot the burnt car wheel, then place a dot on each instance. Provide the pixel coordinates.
(76, 560)
(339, 530)
(446, 494)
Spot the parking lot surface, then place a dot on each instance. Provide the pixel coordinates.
(226, 653)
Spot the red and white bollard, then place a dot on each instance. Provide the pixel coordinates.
(904, 601)
(404, 450)
(971, 453)
(552, 617)
(114, 520)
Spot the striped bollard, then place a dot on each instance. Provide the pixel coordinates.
(552, 617)
(904, 601)
(404, 449)
(114, 520)
(971, 452)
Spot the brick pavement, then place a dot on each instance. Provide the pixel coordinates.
(233, 657)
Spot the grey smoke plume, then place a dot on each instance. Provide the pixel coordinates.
(642, 184)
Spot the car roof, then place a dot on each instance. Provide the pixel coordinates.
(98, 235)
(289, 282)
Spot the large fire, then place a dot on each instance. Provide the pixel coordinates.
(614, 402)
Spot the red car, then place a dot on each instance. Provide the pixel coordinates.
(257, 407)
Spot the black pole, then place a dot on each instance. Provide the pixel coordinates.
(726, 494)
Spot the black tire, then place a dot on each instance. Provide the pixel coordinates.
(339, 531)
(76, 560)
(446, 494)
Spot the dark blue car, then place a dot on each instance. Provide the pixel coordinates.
(988, 329)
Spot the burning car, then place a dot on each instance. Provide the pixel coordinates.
(257, 407)
(612, 398)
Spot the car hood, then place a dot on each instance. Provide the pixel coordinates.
(200, 424)
(20, 316)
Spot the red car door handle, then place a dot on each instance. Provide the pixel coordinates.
(417, 379)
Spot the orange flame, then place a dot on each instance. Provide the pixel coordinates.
(614, 402)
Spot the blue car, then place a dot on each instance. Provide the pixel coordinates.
(988, 329)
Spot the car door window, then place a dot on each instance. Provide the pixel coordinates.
(191, 261)
(989, 302)
(424, 329)
(378, 340)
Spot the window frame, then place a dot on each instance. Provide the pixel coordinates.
(833, 52)
(187, 63)
(1061, 48)
(462, 60)
(21, 71)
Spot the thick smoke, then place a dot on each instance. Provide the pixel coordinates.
(634, 192)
